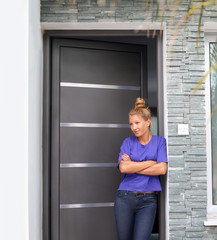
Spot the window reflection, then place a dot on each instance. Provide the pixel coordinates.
(154, 123)
(213, 94)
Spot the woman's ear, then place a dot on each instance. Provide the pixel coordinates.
(149, 122)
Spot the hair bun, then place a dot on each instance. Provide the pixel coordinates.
(140, 103)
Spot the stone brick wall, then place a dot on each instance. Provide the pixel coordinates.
(187, 176)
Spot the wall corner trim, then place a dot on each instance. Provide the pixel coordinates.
(210, 27)
(210, 223)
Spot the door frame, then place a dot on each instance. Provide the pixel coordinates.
(51, 31)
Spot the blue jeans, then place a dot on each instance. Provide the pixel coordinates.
(135, 214)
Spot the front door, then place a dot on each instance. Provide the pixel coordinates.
(94, 86)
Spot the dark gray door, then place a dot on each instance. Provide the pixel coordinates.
(94, 85)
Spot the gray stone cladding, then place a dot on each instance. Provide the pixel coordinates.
(187, 173)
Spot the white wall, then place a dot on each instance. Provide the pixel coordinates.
(20, 121)
(14, 121)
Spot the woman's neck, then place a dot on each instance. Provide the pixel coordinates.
(144, 139)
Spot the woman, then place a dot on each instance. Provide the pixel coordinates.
(142, 159)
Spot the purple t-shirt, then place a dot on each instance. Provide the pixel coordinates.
(155, 150)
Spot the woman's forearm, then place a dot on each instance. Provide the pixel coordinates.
(155, 170)
(130, 167)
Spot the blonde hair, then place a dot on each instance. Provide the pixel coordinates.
(141, 109)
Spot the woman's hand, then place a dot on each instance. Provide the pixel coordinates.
(125, 157)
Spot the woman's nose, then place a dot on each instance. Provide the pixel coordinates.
(134, 127)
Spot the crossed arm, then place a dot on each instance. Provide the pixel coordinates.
(149, 167)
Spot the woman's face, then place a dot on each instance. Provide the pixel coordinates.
(139, 125)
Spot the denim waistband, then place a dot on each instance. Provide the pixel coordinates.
(136, 193)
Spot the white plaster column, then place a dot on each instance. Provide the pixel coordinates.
(20, 121)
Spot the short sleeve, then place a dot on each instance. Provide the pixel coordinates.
(162, 150)
(125, 148)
